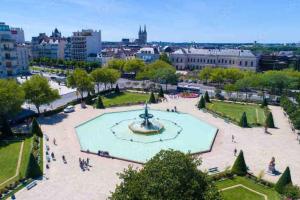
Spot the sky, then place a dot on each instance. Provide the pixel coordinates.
(215, 21)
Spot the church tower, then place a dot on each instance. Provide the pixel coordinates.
(142, 35)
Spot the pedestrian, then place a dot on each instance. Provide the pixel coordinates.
(235, 151)
(54, 141)
(87, 161)
(175, 108)
(232, 138)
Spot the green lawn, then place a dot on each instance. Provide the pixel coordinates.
(9, 155)
(242, 193)
(124, 98)
(255, 114)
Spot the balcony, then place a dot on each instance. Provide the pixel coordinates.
(8, 49)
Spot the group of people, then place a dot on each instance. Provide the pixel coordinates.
(173, 110)
(84, 164)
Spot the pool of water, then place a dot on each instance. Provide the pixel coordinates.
(110, 132)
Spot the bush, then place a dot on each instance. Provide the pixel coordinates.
(35, 128)
(89, 99)
(239, 167)
(264, 103)
(152, 98)
(206, 97)
(292, 192)
(201, 103)
(117, 89)
(283, 181)
(270, 121)
(161, 93)
(33, 170)
(99, 103)
(243, 122)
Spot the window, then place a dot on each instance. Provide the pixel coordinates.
(246, 63)
(251, 64)
(240, 63)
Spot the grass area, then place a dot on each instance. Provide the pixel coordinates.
(25, 156)
(124, 98)
(9, 155)
(234, 111)
(239, 192)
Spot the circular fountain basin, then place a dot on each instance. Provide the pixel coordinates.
(154, 127)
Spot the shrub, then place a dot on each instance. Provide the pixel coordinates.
(206, 97)
(35, 128)
(292, 192)
(33, 170)
(264, 103)
(239, 167)
(99, 103)
(89, 99)
(243, 121)
(270, 121)
(117, 89)
(283, 181)
(161, 93)
(201, 103)
(152, 98)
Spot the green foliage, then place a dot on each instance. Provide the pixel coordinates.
(105, 76)
(283, 181)
(161, 93)
(38, 91)
(270, 121)
(33, 170)
(152, 98)
(164, 57)
(134, 65)
(201, 103)
(206, 97)
(243, 122)
(99, 103)
(264, 103)
(5, 128)
(168, 175)
(89, 99)
(35, 128)
(292, 110)
(117, 89)
(80, 80)
(239, 167)
(205, 74)
(292, 192)
(117, 64)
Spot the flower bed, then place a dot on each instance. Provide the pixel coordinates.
(189, 95)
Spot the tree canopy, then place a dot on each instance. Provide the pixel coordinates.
(39, 92)
(168, 175)
(134, 65)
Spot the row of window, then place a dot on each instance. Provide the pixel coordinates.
(214, 61)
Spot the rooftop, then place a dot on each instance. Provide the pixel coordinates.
(215, 52)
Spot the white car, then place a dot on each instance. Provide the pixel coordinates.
(69, 109)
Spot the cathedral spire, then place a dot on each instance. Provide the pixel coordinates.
(145, 31)
(140, 31)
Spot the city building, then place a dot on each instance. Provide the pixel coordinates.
(142, 36)
(85, 45)
(13, 58)
(192, 58)
(148, 54)
(125, 53)
(18, 35)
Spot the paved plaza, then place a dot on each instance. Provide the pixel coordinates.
(68, 181)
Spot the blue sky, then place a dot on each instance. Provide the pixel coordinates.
(166, 20)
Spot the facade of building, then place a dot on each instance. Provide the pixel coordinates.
(125, 53)
(18, 35)
(85, 44)
(142, 36)
(148, 54)
(192, 58)
(23, 57)
(12, 58)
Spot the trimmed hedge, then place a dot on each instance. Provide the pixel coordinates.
(201, 103)
(283, 181)
(244, 122)
(239, 167)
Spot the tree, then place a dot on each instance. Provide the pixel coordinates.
(270, 121)
(264, 103)
(39, 92)
(243, 122)
(117, 64)
(117, 89)
(205, 74)
(81, 81)
(283, 181)
(98, 77)
(201, 103)
(11, 99)
(152, 98)
(35, 128)
(134, 65)
(218, 75)
(161, 93)
(164, 57)
(168, 175)
(99, 103)
(206, 97)
(239, 167)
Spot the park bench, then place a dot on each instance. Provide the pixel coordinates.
(31, 185)
(213, 170)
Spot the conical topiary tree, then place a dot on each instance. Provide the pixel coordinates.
(206, 97)
(270, 121)
(117, 89)
(89, 99)
(161, 93)
(35, 128)
(264, 103)
(99, 103)
(152, 98)
(243, 122)
(284, 180)
(239, 167)
(201, 103)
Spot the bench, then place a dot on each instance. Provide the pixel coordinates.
(213, 170)
(31, 185)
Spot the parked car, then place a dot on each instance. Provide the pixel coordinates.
(69, 109)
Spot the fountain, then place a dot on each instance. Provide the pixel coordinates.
(146, 126)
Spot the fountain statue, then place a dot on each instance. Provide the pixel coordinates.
(146, 126)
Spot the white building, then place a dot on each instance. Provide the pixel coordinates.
(148, 54)
(192, 58)
(23, 58)
(85, 45)
(18, 35)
